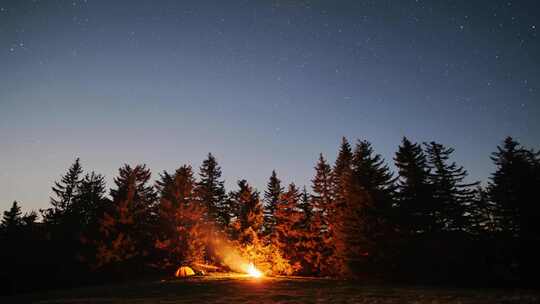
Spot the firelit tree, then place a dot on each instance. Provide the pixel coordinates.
(288, 232)
(271, 200)
(306, 208)
(211, 191)
(308, 246)
(513, 189)
(127, 227)
(415, 193)
(353, 226)
(181, 233)
(452, 196)
(322, 202)
(321, 198)
(248, 217)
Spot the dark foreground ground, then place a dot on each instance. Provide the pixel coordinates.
(239, 289)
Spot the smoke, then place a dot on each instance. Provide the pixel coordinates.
(228, 254)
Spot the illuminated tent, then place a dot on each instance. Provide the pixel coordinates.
(184, 271)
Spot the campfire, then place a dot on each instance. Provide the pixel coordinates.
(253, 271)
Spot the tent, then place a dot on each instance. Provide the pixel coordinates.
(184, 271)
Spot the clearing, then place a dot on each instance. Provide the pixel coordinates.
(243, 289)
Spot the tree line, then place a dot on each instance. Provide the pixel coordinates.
(422, 223)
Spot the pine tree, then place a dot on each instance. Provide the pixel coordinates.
(288, 224)
(271, 199)
(374, 177)
(451, 195)
(342, 168)
(181, 237)
(12, 219)
(373, 174)
(321, 247)
(65, 191)
(306, 208)
(322, 199)
(211, 190)
(415, 195)
(248, 217)
(89, 207)
(91, 200)
(353, 226)
(127, 228)
(513, 188)
(482, 213)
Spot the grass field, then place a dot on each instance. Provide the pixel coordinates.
(240, 289)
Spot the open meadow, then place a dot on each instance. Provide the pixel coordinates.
(243, 289)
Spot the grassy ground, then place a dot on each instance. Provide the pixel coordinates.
(241, 289)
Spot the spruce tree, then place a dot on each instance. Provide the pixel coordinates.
(88, 208)
(306, 208)
(271, 199)
(248, 214)
(353, 227)
(65, 193)
(482, 213)
(181, 233)
(372, 175)
(342, 168)
(12, 219)
(452, 196)
(91, 199)
(211, 191)
(513, 188)
(414, 195)
(322, 200)
(127, 227)
(321, 247)
(288, 224)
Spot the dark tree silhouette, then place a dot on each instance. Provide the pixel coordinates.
(415, 196)
(12, 218)
(248, 217)
(62, 204)
(452, 195)
(211, 191)
(513, 189)
(341, 172)
(482, 214)
(271, 199)
(370, 172)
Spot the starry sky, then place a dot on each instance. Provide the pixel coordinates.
(261, 84)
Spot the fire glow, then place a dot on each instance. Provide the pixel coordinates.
(253, 271)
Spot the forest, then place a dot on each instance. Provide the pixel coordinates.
(426, 223)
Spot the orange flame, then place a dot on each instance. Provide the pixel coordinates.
(253, 271)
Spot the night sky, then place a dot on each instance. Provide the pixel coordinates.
(261, 84)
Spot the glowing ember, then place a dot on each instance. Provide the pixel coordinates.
(254, 272)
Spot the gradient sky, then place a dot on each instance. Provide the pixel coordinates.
(261, 84)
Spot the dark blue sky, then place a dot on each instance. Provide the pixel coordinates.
(262, 84)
